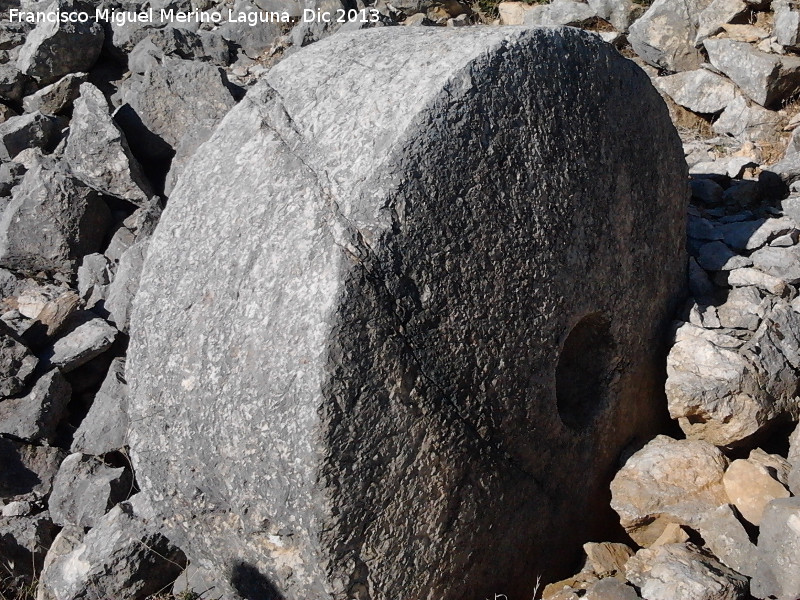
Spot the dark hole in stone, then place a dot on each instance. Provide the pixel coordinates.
(584, 371)
(252, 585)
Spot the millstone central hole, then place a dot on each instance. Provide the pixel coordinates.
(584, 371)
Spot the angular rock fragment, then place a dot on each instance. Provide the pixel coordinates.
(607, 559)
(747, 122)
(86, 341)
(56, 98)
(13, 83)
(683, 572)
(123, 289)
(98, 152)
(52, 221)
(381, 317)
(794, 460)
(750, 488)
(725, 396)
(754, 277)
(667, 481)
(27, 469)
(700, 90)
(34, 130)
(35, 416)
(122, 557)
(783, 263)
(85, 489)
(726, 538)
(718, 13)
(744, 308)
(16, 363)
(171, 98)
(610, 589)
(779, 551)
(787, 24)
(764, 78)
(105, 428)
(559, 13)
(23, 544)
(51, 319)
(56, 48)
(665, 35)
(716, 256)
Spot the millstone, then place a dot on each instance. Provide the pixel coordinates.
(405, 310)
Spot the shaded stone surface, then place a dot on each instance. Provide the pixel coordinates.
(356, 352)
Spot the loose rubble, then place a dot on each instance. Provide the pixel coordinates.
(98, 124)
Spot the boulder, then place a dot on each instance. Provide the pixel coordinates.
(665, 35)
(700, 91)
(56, 98)
(33, 130)
(52, 221)
(59, 47)
(85, 489)
(105, 427)
(683, 572)
(667, 481)
(366, 360)
(765, 78)
(16, 363)
(123, 557)
(98, 152)
(778, 551)
(35, 416)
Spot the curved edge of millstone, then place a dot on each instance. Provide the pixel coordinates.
(358, 346)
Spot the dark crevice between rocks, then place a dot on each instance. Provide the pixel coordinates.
(250, 584)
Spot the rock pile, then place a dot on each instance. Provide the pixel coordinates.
(98, 121)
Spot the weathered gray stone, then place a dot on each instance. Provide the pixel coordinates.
(778, 551)
(787, 24)
(94, 275)
(724, 395)
(126, 282)
(340, 229)
(683, 572)
(620, 13)
(747, 122)
(765, 78)
(700, 90)
(57, 97)
(743, 308)
(186, 149)
(13, 83)
(783, 263)
(751, 235)
(57, 48)
(10, 175)
(85, 489)
(665, 35)
(667, 481)
(50, 320)
(33, 130)
(27, 469)
(205, 46)
(172, 98)
(34, 417)
(16, 363)
(754, 277)
(98, 152)
(254, 41)
(52, 221)
(86, 341)
(777, 466)
(199, 581)
(711, 19)
(610, 589)
(122, 557)
(716, 256)
(23, 544)
(558, 13)
(726, 538)
(105, 428)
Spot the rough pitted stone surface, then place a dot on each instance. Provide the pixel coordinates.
(682, 572)
(32, 239)
(54, 49)
(356, 350)
(123, 557)
(667, 481)
(98, 152)
(16, 362)
(779, 551)
(105, 428)
(27, 469)
(35, 416)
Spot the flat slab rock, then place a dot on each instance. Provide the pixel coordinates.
(353, 347)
